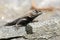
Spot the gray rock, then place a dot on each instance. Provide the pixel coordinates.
(44, 30)
(10, 31)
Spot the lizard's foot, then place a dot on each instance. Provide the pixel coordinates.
(34, 21)
(17, 26)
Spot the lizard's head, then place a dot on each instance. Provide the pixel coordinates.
(36, 13)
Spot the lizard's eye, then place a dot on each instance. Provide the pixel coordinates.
(39, 11)
(36, 11)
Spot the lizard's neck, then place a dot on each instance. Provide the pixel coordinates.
(33, 16)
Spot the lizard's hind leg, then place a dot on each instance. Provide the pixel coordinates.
(17, 25)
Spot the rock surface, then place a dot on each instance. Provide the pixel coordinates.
(43, 30)
(47, 27)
